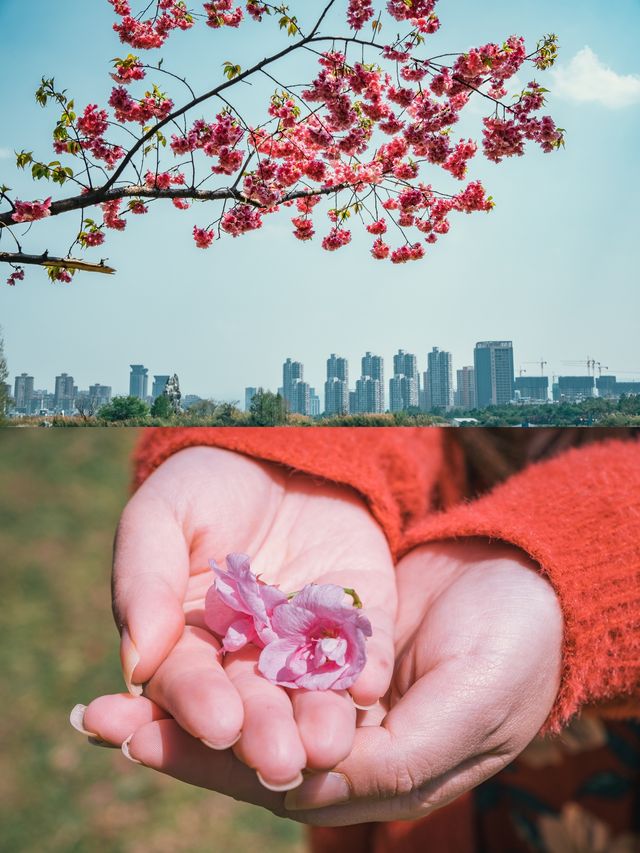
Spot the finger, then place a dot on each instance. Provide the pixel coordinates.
(270, 742)
(326, 721)
(150, 573)
(193, 687)
(428, 750)
(114, 717)
(374, 680)
(164, 746)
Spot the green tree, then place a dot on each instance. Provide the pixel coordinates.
(124, 409)
(267, 409)
(162, 407)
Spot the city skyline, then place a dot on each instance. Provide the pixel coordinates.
(490, 381)
(545, 268)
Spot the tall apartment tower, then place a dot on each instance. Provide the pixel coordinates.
(159, 384)
(138, 381)
(440, 372)
(100, 394)
(23, 393)
(295, 390)
(493, 364)
(404, 386)
(466, 388)
(370, 387)
(336, 388)
(64, 393)
(314, 403)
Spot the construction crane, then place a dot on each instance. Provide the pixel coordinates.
(590, 364)
(542, 364)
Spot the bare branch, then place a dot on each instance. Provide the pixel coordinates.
(46, 260)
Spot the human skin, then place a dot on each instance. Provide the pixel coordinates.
(203, 503)
(478, 655)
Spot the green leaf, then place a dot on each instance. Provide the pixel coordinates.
(23, 159)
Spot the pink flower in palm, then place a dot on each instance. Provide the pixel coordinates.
(238, 607)
(321, 641)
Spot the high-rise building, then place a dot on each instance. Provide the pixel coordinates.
(23, 393)
(373, 368)
(424, 395)
(314, 403)
(159, 384)
(404, 386)
(493, 364)
(606, 386)
(295, 390)
(64, 394)
(369, 396)
(101, 394)
(572, 389)
(440, 371)
(466, 388)
(249, 394)
(632, 387)
(533, 388)
(138, 381)
(336, 388)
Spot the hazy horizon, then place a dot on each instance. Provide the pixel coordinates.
(553, 267)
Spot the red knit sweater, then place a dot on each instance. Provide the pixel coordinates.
(577, 515)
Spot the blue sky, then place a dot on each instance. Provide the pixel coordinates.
(554, 267)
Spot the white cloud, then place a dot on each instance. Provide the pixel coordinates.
(5, 154)
(587, 79)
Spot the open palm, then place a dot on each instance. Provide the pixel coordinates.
(479, 636)
(203, 503)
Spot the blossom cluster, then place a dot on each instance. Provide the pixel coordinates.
(367, 131)
(311, 639)
(31, 211)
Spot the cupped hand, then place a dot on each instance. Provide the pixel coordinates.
(479, 639)
(479, 635)
(203, 503)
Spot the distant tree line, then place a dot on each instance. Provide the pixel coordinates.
(269, 409)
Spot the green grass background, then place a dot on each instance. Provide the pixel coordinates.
(61, 493)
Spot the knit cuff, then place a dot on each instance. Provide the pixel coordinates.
(578, 517)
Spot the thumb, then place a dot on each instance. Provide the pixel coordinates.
(427, 751)
(150, 574)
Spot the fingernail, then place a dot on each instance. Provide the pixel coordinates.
(130, 658)
(76, 718)
(126, 752)
(365, 707)
(287, 785)
(96, 741)
(319, 791)
(221, 746)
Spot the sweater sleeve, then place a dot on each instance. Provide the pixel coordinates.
(578, 517)
(398, 472)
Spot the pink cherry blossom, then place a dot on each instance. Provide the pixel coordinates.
(380, 250)
(320, 641)
(16, 275)
(336, 238)
(111, 213)
(31, 211)
(203, 237)
(238, 607)
(359, 12)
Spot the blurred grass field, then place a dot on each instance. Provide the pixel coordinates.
(61, 493)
